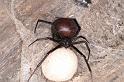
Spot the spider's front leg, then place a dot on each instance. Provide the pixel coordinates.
(86, 43)
(84, 59)
(82, 37)
(43, 60)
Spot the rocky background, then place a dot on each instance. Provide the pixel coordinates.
(102, 24)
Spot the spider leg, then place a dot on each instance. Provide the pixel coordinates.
(81, 37)
(54, 49)
(39, 20)
(88, 48)
(79, 42)
(43, 60)
(46, 38)
(74, 19)
(84, 59)
(58, 17)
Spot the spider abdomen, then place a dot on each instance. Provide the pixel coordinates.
(65, 28)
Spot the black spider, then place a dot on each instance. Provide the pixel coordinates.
(83, 3)
(64, 32)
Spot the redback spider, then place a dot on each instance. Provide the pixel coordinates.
(64, 33)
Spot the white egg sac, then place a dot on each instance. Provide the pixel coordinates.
(60, 65)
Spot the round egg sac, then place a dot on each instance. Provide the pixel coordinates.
(60, 65)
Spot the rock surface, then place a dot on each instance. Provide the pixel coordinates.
(102, 24)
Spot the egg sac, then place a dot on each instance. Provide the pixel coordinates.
(60, 65)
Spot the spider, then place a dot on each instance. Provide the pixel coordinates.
(64, 33)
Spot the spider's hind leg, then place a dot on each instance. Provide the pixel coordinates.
(39, 20)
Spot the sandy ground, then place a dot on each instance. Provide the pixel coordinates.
(102, 24)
